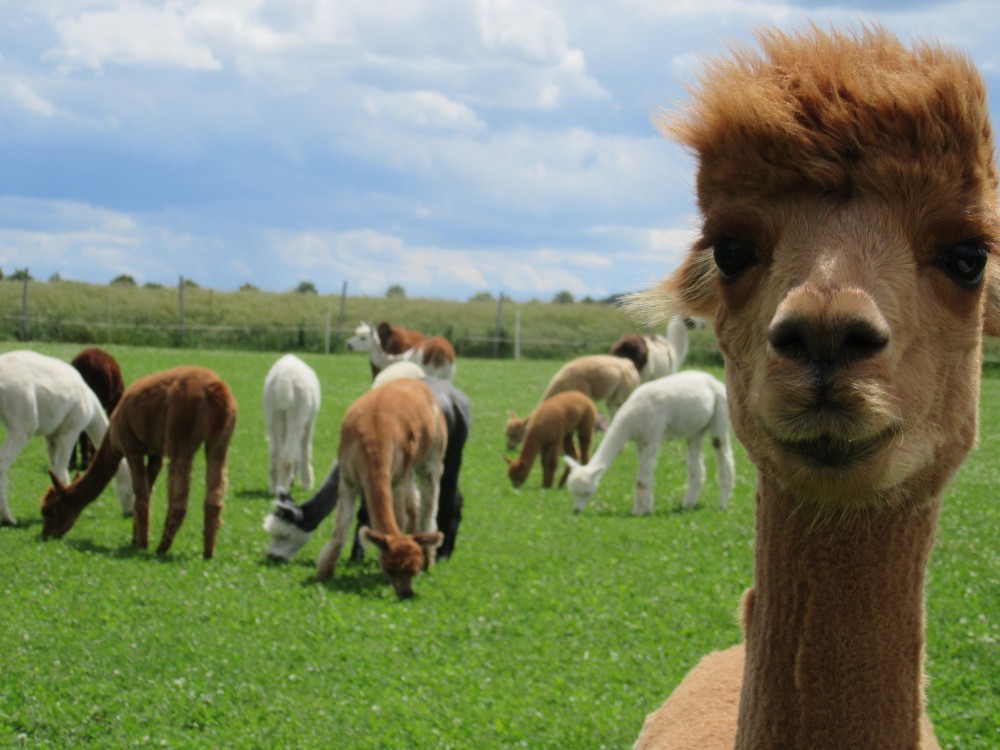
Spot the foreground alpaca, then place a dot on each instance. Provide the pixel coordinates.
(291, 526)
(603, 377)
(42, 395)
(435, 354)
(391, 439)
(550, 433)
(655, 356)
(685, 406)
(849, 196)
(101, 372)
(167, 414)
(291, 403)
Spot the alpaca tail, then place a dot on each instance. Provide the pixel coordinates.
(677, 335)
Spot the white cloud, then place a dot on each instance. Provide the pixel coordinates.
(24, 95)
(422, 109)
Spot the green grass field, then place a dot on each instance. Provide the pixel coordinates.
(545, 630)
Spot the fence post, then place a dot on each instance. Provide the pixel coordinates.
(180, 303)
(340, 317)
(24, 306)
(496, 328)
(329, 322)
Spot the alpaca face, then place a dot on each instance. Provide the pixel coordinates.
(514, 431)
(363, 339)
(58, 516)
(402, 558)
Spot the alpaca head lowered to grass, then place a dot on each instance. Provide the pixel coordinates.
(850, 227)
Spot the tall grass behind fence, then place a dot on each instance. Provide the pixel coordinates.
(81, 313)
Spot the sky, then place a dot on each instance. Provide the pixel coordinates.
(451, 147)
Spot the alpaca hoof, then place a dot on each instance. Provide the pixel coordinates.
(8, 522)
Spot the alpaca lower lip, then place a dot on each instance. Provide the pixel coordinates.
(828, 450)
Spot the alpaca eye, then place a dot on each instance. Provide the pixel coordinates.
(966, 261)
(733, 256)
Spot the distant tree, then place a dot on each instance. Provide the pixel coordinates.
(53, 279)
(153, 285)
(249, 288)
(481, 297)
(191, 284)
(306, 287)
(588, 300)
(123, 280)
(395, 292)
(1, 275)
(21, 274)
(563, 298)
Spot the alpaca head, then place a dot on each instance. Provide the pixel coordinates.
(59, 513)
(581, 482)
(284, 526)
(517, 470)
(363, 340)
(515, 429)
(632, 346)
(850, 230)
(403, 557)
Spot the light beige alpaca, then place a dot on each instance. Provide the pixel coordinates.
(849, 197)
(550, 433)
(603, 377)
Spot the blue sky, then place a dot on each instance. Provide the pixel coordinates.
(450, 146)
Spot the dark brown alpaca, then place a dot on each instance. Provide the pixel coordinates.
(549, 433)
(101, 372)
(165, 415)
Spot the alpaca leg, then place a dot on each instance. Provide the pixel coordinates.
(696, 470)
(725, 468)
(274, 453)
(178, 487)
(648, 453)
(140, 510)
(430, 488)
(12, 446)
(216, 480)
(326, 564)
(550, 462)
(60, 446)
(570, 450)
(306, 474)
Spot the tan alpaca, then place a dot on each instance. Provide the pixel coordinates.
(849, 197)
(550, 430)
(167, 414)
(603, 377)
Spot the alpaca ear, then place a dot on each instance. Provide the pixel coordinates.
(571, 462)
(376, 538)
(60, 487)
(429, 540)
(508, 459)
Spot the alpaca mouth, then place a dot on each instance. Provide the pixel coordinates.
(830, 451)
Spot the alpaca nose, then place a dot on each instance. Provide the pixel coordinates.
(825, 344)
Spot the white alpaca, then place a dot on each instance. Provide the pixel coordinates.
(398, 370)
(291, 403)
(42, 395)
(682, 406)
(655, 356)
(434, 355)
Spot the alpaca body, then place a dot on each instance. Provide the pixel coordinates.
(41, 395)
(101, 372)
(291, 403)
(849, 190)
(398, 370)
(291, 526)
(550, 433)
(435, 355)
(655, 356)
(686, 406)
(168, 414)
(602, 377)
(392, 445)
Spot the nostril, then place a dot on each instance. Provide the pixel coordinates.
(827, 343)
(790, 338)
(862, 340)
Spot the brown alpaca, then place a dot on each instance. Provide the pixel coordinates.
(390, 437)
(167, 414)
(549, 432)
(603, 377)
(101, 372)
(849, 197)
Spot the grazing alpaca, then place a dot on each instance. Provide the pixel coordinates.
(42, 395)
(655, 356)
(685, 406)
(603, 377)
(849, 193)
(291, 526)
(435, 354)
(391, 438)
(101, 372)
(291, 403)
(167, 414)
(550, 432)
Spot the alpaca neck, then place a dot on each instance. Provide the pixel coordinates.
(89, 485)
(835, 627)
(613, 443)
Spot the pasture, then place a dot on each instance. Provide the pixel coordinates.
(545, 630)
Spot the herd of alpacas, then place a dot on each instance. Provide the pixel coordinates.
(848, 191)
(400, 450)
